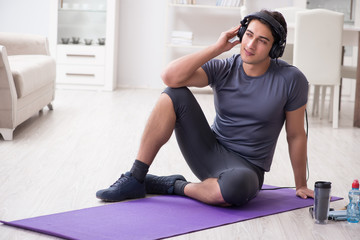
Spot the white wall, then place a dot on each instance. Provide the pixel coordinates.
(25, 16)
(141, 46)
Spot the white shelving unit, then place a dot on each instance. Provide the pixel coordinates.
(204, 20)
(81, 65)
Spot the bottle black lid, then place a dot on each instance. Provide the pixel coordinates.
(322, 184)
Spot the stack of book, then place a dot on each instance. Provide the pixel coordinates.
(184, 1)
(181, 38)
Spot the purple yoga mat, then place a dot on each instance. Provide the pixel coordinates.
(157, 217)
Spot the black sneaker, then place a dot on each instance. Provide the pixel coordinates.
(161, 185)
(126, 187)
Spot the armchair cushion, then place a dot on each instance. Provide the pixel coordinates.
(31, 72)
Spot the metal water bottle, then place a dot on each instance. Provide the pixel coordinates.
(322, 201)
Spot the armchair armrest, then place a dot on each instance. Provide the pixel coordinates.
(8, 94)
(24, 44)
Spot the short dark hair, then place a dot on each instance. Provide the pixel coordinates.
(278, 17)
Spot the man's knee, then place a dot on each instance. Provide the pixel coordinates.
(179, 96)
(177, 93)
(238, 186)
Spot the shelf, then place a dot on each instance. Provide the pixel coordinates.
(192, 18)
(82, 44)
(203, 6)
(82, 10)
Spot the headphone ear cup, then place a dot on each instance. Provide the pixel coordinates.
(277, 50)
(281, 50)
(241, 32)
(274, 51)
(242, 29)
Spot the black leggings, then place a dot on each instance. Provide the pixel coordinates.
(238, 179)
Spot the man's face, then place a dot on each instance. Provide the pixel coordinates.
(256, 43)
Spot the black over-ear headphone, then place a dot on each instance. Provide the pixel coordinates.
(278, 46)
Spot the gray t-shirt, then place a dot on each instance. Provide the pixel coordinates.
(250, 111)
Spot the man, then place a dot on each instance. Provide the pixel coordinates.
(254, 94)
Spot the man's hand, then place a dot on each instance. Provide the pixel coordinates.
(224, 43)
(304, 192)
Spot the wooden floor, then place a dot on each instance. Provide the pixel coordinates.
(59, 159)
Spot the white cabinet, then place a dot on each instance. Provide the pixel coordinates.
(78, 31)
(80, 65)
(192, 27)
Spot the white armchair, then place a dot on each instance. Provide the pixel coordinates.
(27, 79)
